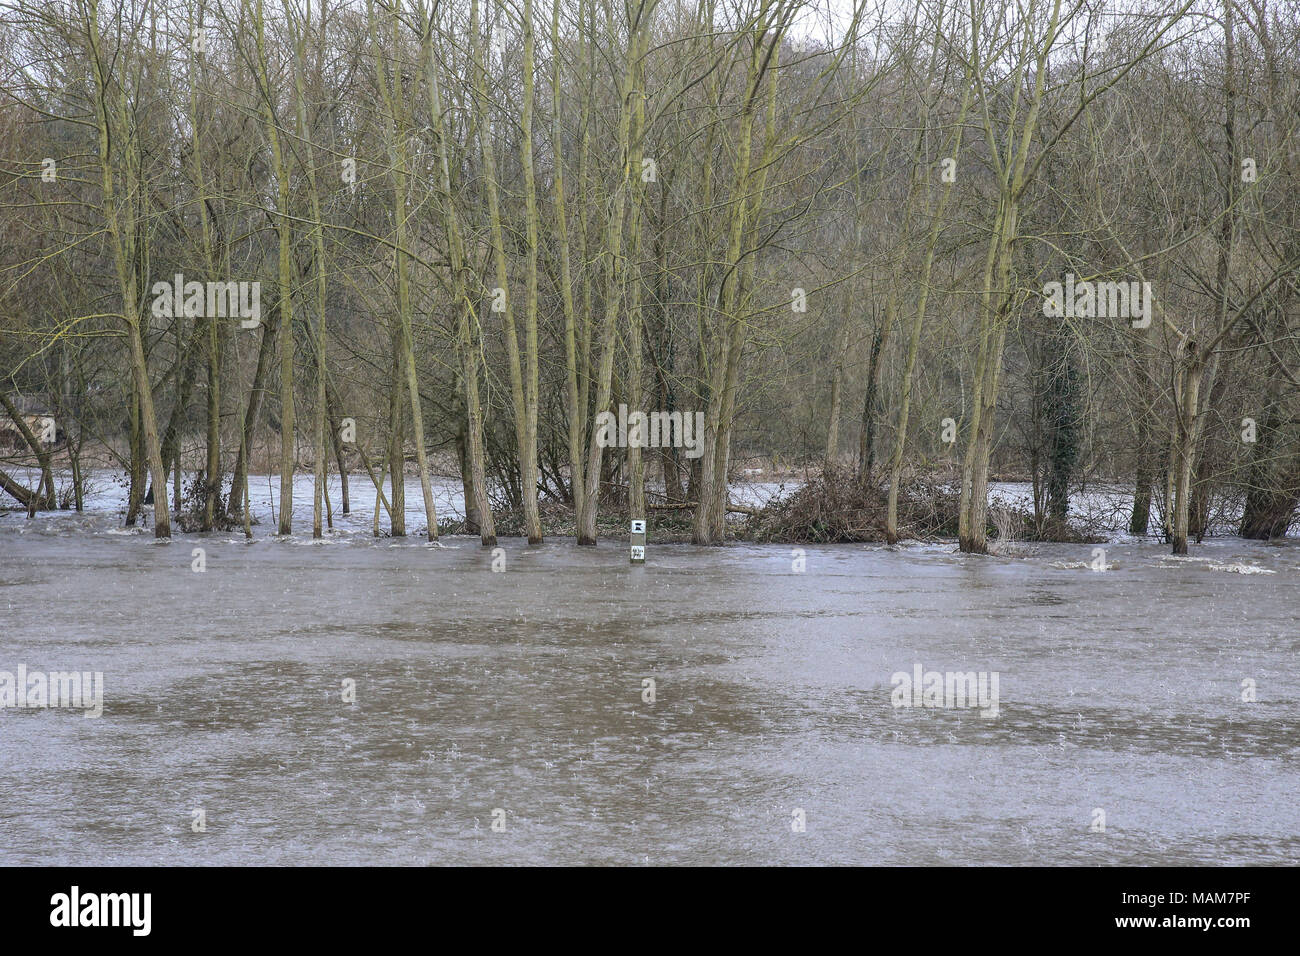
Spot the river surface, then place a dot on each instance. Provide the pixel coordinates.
(771, 737)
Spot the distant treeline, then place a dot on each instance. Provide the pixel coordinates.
(1044, 239)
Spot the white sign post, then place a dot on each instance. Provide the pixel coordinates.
(638, 541)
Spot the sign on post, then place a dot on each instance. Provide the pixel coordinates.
(638, 541)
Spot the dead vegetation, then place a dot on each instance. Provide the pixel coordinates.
(836, 507)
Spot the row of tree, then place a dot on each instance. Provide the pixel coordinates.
(476, 225)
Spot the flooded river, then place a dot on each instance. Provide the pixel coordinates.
(505, 717)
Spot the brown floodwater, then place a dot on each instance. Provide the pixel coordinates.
(523, 691)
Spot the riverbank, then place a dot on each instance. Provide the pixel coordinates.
(768, 511)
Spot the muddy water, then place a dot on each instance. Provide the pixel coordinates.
(523, 691)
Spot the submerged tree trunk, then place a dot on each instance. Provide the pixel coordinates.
(248, 430)
(46, 498)
(468, 327)
(135, 496)
(972, 534)
(1197, 356)
(710, 515)
(525, 412)
(1061, 408)
(113, 125)
(1142, 489)
(396, 445)
(186, 372)
(1145, 452)
(574, 409)
(1187, 429)
(336, 432)
(467, 480)
(1198, 520)
(614, 277)
(867, 435)
(394, 96)
(918, 318)
(528, 451)
(837, 382)
(27, 498)
(284, 230)
(635, 386)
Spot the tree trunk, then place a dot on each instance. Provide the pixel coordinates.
(467, 480)
(524, 411)
(574, 409)
(468, 341)
(1188, 393)
(114, 133)
(248, 429)
(867, 436)
(1273, 489)
(396, 447)
(613, 287)
(336, 428)
(46, 498)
